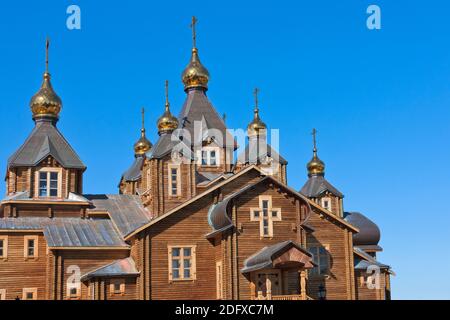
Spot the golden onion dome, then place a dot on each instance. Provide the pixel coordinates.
(315, 166)
(167, 122)
(143, 145)
(256, 127)
(46, 103)
(195, 75)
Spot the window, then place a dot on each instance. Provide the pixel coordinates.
(29, 294)
(48, 183)
(117, 286)
(73, 290)
(2, 294)
(30, 247)
(209, 156)
(174, 180)
(326, 203)
(321, 259)
(266, 215)
(182, 263)
(3, 247)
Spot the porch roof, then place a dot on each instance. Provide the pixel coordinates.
(283, 252)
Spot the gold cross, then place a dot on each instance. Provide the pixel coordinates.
(194, 35)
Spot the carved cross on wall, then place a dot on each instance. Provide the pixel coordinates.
(266, 215)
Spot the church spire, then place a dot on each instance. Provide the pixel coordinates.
(167, 122)
(46, 104)
(256, 127)
(195, 75)
(143, 144)
(315, 166)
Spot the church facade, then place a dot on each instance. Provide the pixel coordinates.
(190, 220)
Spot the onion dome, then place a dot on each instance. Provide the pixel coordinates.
(167, 122)
(369, 233)
(256, 127)
(195, 75)
(315, 166)
(143, 145)
(46, 103)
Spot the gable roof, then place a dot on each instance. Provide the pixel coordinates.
(122, 267)
(45, 140)
(231, 178)
(316, 185)
(126, 211)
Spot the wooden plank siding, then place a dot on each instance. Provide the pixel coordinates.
(339, 283)
(18, 272)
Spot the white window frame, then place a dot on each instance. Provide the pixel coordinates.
(322, 202)
(5, 247)
(181, 258)
(2, 294)
(25, 291)
(208, 151)
(270, 217)
(26, 247)
(316, 270)
(177, 167)
(47, 170)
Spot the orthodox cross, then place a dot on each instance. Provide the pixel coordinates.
(314, 132)
(194, 35)
(167, 92)
(255, 93)
(265, 215)
(47, 45)
(143, 120)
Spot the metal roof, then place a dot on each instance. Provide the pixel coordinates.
(69, 232)
(45, 140)
(369, 233)
(366, 260)
(250, 154)
(134, 172)
(165, 144)
(25, 196)
(197, 108)
(126, 211)
(264, 258)
(317, 185)
(122, 267)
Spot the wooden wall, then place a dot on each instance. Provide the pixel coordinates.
(18, 272)
(340, 282)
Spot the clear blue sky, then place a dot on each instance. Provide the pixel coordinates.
(380, 100)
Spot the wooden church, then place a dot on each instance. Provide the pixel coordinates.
(189, 221)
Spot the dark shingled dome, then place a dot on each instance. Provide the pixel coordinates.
(369, 233)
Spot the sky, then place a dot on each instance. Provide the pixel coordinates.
(379, 99)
